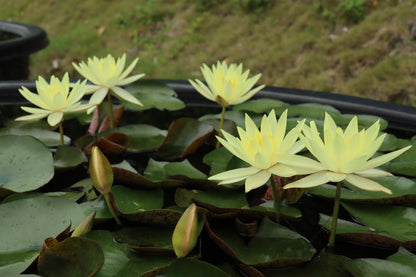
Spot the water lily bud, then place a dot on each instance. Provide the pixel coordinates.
(100, 171)
(85, 226)
(186, 232)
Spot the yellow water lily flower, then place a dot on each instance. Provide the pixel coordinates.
(53, 100)
(264, 150)
(345, 155)
(226, 85)
(107, 74)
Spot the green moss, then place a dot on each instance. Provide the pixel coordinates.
(290, 43)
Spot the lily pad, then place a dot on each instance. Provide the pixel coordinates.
(312, 110)
(262, 105)
(183, 168)
(153, 94)
(273, 246)
(146, 238)
(25, 163)
(325, 264)
(98, 206)
(184, 267)
(71, 257)
(384, 226)
(26, 223)
(155, 171)
(133, 200)
(49, 138)
(401, 264)
(185, 136)
(120, 261)
(396, 221)
(67, 157)
(141, 136)
(404, 164)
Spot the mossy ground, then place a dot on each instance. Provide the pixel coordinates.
(302, 44)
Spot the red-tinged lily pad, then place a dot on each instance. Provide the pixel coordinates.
(130, 200)
(194, 268)
(403, 192)
(71, 257)
(25, 163)
(141, 136)
(47, 137)
(153, 94)
(273, 246)
(401, 264)
(324, 264)
(185, 136)
(146, 238)
(68, 157)
(26, 223)
(120, 261)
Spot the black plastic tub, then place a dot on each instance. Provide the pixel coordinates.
(401, 118)
(17, 43)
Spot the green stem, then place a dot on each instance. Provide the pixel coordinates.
(61, 132)
(110, 208)
(335, 215)
(221, 124)
(110, 110)
(276, 199)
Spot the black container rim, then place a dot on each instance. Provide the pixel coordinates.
(399, 117)
(32, 38)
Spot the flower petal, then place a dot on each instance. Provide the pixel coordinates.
(366, 184)
(310, 181)
(123, 94)
(235, 173)
(55, 118)
(257, 180)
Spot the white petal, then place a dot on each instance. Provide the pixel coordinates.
(235, 173)
(257, 180)
(310, 181)
(366, 184)
(123, 94)
(55, 118)
(282, 170)
(373, 173)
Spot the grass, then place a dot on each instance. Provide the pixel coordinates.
(368, 50)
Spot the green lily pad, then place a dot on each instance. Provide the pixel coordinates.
(389, 143)
(141, 136)
(155, 217)
(25, 163)
(153, 94)
(120, 261)
(133, 200)
(183, 168)
(312, 111)
(155, 171)
(273, 246)
(71, 257)
(146, 238)
(404, 164)
(325, 264)
(401, 264)
(194, 268)
(237, 116)
(26, 223)
(218, 160)
(185, 136)
(403, 191)
(262, 105)
(74, 196)
(386, 226)
(49, 138)
(67, 157)
(396, 221)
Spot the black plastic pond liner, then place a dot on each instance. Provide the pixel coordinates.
(14, 52)
(401, 118)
